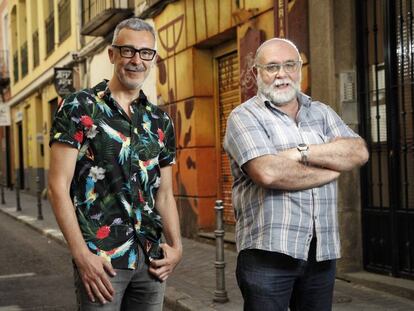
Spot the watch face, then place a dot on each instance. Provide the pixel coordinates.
(303, 147)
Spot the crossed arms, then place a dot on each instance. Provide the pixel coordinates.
(326, 161)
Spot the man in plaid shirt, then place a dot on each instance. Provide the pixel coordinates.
(286, 153)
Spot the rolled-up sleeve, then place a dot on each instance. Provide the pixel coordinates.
(67, 127)
(336, 127)
(246, 138)
(167, 155)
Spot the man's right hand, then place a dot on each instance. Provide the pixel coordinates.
(94, 271)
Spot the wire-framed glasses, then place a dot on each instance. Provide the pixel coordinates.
(274, 68)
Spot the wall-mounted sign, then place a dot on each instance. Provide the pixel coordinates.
(4, 115)
(64, 81)
(18, 116)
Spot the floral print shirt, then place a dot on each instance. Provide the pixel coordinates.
(117, 172)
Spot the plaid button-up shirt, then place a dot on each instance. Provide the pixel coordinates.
(278, 220)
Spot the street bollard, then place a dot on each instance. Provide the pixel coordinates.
(18, 207)
(220, 294)
(3, 201)
(39, 199)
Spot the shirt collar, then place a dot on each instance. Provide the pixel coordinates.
(102, 91)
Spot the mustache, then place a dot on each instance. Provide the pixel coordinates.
(139, 67)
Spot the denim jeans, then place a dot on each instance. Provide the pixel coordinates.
(271, 281)
(134, 290)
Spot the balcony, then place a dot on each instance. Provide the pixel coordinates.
(24, 60)
(4, 68)
(100, 17)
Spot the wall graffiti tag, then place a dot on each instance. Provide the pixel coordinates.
(164, 33)
(248, 46)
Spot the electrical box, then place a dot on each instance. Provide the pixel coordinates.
(348, 93)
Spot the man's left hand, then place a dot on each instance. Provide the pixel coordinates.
(162, 268)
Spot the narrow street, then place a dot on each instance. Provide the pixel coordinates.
(35, 271)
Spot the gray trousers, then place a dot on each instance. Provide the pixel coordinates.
(134, 290)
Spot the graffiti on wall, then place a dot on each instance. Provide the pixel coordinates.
(248, 46)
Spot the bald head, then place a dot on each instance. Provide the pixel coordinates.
(272, 46)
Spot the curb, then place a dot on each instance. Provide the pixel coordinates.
(29, 221)
(179, 301)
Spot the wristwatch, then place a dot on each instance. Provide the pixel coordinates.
(303, 149)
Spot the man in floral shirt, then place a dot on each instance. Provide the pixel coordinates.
(110, 182)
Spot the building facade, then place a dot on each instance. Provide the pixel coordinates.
(43, 35)
(5, 152)
(358, 58)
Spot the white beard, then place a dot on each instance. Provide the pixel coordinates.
(279, 97)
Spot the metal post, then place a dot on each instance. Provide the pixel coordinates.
(220, 294)
(39, 199)
(3, 201)
(18, 207)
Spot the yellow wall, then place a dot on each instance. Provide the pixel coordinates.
(188, 32)
(187, 22)
(48, 94)
(31, 109)
(61, 49)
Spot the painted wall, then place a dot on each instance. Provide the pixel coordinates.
(34, 109)
(61, 48)
(189, 32)
(100, 68)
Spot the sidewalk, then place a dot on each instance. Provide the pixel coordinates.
(191, 287)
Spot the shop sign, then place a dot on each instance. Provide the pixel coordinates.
(64, 81)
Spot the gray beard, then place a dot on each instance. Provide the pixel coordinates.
(276, 97)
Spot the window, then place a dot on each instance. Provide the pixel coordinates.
(64, 20)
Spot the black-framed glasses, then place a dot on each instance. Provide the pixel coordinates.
(288, 67)
(129, 52)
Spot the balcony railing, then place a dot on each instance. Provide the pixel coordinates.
(16, 66)
(50, 33)
(24, 59)
(64, 20)
(101, 16)
(4, 68)
(35, 39)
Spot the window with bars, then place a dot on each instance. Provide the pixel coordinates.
(35, 42)
(386, 89)
(50, 33)
(15, 67)
(64, 20)
(24, 59)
